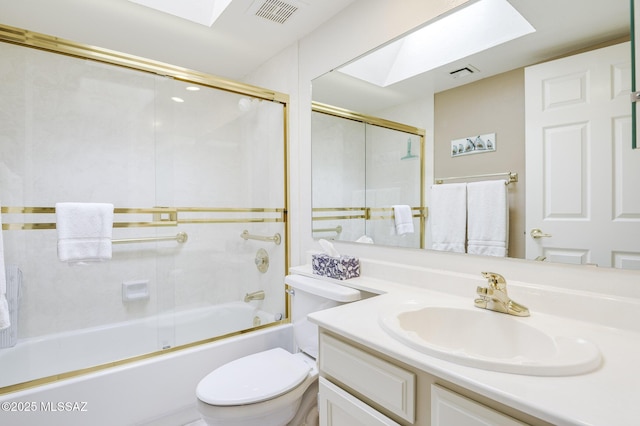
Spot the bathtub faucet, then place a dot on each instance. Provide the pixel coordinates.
(256, 295)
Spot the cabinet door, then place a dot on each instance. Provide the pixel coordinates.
(338, 408)
(390, 386)
(448, 408)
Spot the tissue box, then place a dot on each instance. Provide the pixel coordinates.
(339, 268)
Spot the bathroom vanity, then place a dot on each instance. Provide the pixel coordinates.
(371, 376)
(360, 386)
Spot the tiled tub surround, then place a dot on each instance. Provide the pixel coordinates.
(609, 395)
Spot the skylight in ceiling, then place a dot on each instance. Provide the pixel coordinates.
(204, 12)
(483, 24)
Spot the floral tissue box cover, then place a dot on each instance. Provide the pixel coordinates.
(339, 268)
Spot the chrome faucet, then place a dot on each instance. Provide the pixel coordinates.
(495, 298)
(256, 295)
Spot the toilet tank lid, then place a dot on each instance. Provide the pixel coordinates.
(322, 288)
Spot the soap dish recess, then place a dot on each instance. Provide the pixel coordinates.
(135, 290)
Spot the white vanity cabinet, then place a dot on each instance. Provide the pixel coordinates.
(339, 408)
(377, 380)
(449, 408)
(361, 387)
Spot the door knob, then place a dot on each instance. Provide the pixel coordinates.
(537, 233)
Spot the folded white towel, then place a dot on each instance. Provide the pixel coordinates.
(448, 216)
(84, 231)
(5, 318)
(488, 218)
(403, 219)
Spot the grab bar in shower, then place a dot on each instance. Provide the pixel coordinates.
(247, 236)
(337, 229)
(180, 237)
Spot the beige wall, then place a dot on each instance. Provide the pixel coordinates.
(492, 105)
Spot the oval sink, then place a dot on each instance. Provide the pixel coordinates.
(489, 340)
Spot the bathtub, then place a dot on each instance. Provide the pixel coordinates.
(155, 391)
(45, 356)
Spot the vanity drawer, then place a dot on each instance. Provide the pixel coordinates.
(388, 385)
(339, 408)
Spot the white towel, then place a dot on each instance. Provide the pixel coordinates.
(5, 318)
(84, 231)
(448, 214)
(488, 218)
(403, 219)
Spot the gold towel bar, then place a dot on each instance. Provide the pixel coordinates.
(180, 237)
(513, 177)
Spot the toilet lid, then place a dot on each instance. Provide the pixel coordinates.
(253, 378)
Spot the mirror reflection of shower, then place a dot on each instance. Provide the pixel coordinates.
(358, 176)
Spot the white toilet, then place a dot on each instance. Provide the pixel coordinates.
(275, 387)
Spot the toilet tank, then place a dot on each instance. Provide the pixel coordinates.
(312, 295)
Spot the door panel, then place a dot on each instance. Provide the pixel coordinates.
(581, 170)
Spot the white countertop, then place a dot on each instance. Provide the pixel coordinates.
(607, 396)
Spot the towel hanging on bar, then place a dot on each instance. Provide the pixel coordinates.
(487, 218)
(84, 231)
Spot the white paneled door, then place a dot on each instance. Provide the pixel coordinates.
(583, 202)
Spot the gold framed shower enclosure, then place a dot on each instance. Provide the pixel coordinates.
(23, 218)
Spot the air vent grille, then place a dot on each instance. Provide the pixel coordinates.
(463, 72)
(276, 11)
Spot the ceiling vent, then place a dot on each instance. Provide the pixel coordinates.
(274, 10)
(463, 72)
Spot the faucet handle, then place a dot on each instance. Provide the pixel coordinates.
(496, 281)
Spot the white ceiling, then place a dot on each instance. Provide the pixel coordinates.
(234, 46)
(239, 42)
(562, 26)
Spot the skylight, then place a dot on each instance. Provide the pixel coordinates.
(204, 12)
(483, 24)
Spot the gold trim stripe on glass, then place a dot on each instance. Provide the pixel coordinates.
(420, 212)
(162, 216)
(360, 216)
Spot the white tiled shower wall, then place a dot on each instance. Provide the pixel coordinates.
(64, 140)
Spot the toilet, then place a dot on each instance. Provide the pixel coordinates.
(275, 387)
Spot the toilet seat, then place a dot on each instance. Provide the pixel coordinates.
(253, 378)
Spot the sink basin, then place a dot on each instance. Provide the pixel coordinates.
(489, 340)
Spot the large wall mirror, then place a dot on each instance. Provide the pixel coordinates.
(548, 109)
